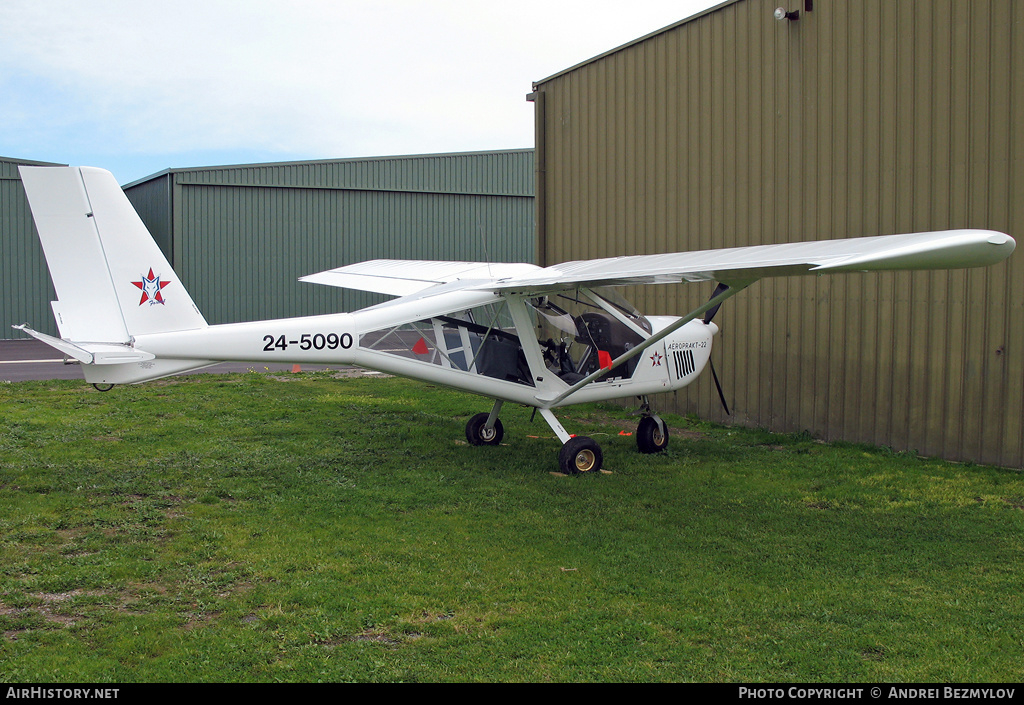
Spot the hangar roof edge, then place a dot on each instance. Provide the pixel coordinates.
(636, 41)
(305, 162)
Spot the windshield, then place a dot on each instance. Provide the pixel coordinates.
(557, 317)
(612, 296)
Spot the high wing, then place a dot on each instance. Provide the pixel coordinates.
(950, 249)
(405, 277)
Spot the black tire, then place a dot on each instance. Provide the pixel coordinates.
(580, 455)
(649, 437)
(478, 435)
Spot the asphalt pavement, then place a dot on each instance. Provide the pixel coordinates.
(27, 359)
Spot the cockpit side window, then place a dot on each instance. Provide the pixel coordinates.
(481, 340)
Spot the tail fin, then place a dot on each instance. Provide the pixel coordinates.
(112, 281)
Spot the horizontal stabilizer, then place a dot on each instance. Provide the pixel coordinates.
(116, 364)
(91, 353)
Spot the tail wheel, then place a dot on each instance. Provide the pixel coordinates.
(580, 455)
(478, 434)
(651, 435)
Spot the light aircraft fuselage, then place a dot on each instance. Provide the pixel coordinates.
(347, 338)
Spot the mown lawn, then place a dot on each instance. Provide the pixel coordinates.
(306, 528)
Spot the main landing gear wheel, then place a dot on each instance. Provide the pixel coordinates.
(478, 434)
(651, 435)
(579, 455)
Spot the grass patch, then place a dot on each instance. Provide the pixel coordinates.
(247, 528)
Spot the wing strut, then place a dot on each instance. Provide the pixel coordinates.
(721, 294)
(707, 319)
(721, 394)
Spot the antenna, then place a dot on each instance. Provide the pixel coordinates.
(483, 242)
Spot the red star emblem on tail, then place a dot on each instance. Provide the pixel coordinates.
(151, 287)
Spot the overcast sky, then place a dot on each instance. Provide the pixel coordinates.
(137, 87)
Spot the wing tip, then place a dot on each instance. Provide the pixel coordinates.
(950, 249)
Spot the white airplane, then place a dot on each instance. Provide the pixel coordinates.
(544, 337)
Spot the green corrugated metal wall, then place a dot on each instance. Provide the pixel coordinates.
(861, 118)
(151, 198)
(25, 287)
(239, 237)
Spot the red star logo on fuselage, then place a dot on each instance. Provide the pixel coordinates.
(656, 360)
(151, 287)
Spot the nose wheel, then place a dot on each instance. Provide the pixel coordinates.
(580, 455)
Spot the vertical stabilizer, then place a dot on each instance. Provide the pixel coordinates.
(112, 280)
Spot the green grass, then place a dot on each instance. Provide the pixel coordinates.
(247, 528)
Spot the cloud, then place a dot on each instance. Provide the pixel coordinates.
(314, 77)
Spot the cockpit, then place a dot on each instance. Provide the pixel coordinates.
(578, 331)
(582, 331)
